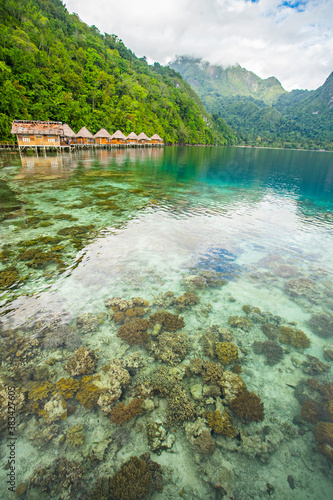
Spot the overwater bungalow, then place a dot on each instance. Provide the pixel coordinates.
(69, 135)
(118, 138)
(143, 138)
(132, 138)
(35, 134)
(102, 137)
(84, 137)
(156, 139)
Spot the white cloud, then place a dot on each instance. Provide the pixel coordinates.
(265, 36)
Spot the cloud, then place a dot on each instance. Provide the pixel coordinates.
(290, 39)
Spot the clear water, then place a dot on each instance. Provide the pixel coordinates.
(234, 226)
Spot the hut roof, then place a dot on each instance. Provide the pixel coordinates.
(132, 135)
(118, 135)
(84, 132)
(102, 133)
(143, 136)
(30, 127)
(156, 137)
(68, 132)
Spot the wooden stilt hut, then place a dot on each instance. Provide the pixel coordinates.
(37, 134)
(84, 137)
(143, 138)
(102, 137)
(69, 135)
(156, 139)
(118, 138)
(132, 138)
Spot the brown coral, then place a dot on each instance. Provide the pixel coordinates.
(122, 413)
(169, 347)
(221, 424)
(248, 407)
(67, 387)
(311, 411)
(226, 352)
(88, 393)
(296, 338)
(83, 362)
(170, 322)
(134, 331)
(204, 443)
(186, 300)
(136, 478)
(324, 433)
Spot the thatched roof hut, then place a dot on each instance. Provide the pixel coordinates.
(68, 132)
(132, 136)
(143, 137)
(118, 135)
(101, 134)
(84, 133)
(30, 127)
(156, 137)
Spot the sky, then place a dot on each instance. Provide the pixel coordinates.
(289, 39)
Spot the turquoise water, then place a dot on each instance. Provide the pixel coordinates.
(247, 235)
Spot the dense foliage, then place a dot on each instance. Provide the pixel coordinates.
(55, 67)
(261, 111)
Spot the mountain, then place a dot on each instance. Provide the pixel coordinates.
(212, 80)
(260, 110)
(55, 67)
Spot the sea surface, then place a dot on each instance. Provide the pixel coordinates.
(174, 301)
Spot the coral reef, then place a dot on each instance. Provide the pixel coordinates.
(122, 413)
(194, 281)
(270, 330)
(301, 287)
(231, 384)
(16, 350)
(40, 392)
(248, 407)
(313, 366)
(321, 324)
(221, 423)
(213, 373)
(169, 347)
(67, 387)
(38, 259)
(54, 409)
(134, 331)
(88, 322)
(311, 411)
(88, 393)
(240, 322)
(186, 300)
(226, 352)
(158, 438)
(272, 351)
(296, 338)
(124, 309)
(136, 478)
(204, 443)
(62, 336)
(324, 433)
(111, 384)
(179, 406)
(83, 362)
(75, 436)
(61, 477)
(170, 322)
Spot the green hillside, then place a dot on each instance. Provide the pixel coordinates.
(55, 67)
(261, 111)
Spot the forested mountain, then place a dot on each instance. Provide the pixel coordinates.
(55, 67)
(261, 111)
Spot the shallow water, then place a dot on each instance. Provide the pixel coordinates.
(234, 227)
